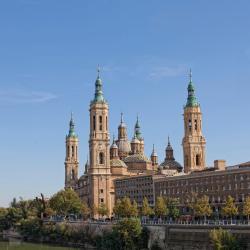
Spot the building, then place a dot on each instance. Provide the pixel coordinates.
(123, 170)
(106, 163)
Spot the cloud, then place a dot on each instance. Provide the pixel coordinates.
(25, 96)
(167, 71)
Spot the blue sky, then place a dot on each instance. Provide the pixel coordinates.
(49, 52)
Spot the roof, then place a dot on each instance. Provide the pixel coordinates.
(136, 158)
(117, 163)
(171, 164)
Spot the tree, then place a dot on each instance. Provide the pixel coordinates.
(103, 210)
(230, 209)
(246, 208)
(65, 202)
(85, 211)
(126, 207)
(223, 239)
(202, 207)
(118, 208)
(129, 231)
(172, 205)
(160, 207)
(4, 224)
(146, 210)
(134, 209)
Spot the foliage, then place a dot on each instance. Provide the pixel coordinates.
(172, 205)
(246, 207)
(223, 239)
(202, 207)
(30, 228)
(127, 234)
(160, 207)
(230, 209)
(146, 210)
(103, 210)
(118, 208)
(134, 209)
(124, 209)
(85, 210)
(129, 231)
(4, 224)
(66, 202)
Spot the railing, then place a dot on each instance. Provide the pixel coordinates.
(158, 222)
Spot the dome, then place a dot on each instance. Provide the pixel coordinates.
(136, 158)
(117, 163)
(123, 146)
(135, 140)
(114, 146)
(171, 164)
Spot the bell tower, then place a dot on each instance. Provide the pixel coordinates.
(194, 142)
(71, 159)
(99, 151)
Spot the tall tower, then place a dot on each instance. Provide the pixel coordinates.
(71, 159)
(123, 143)
(154, 158)
(99, 152)
(193, 142)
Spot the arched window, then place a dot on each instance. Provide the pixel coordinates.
(100, 123)
(72, 174)
(94, 122)
(101, 158)
(190, 125)
(195, 125)
(73, 151)
(198, 160)
(68, 152)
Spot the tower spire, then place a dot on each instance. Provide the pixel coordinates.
(72, 127)
(191, 100)
(137, 129)
(98, 88)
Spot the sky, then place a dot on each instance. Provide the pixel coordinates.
(49, 52)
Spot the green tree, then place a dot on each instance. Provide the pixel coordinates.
(103, 210)
(160, 207)
(4, 224)
(246, 208)
(202, 207)
(118, 208)
(230, 209)
(134, 209)
(129, 231)
(223, 240)
(146, 210)
(65, 202)
(173, 207)
(126, 207)
(85, 210)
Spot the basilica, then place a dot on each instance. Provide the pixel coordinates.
(124, 158)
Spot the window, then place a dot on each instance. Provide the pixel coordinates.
(198, 160)
(73, 151)
(68, 152)
(106, 123)
(94, 122)
(190, 125)
(101, 191)
(100, 123)
(101, 158)
(101, 200)
(195, 125)
(72, 174)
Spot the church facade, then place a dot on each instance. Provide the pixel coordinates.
(110, 160)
